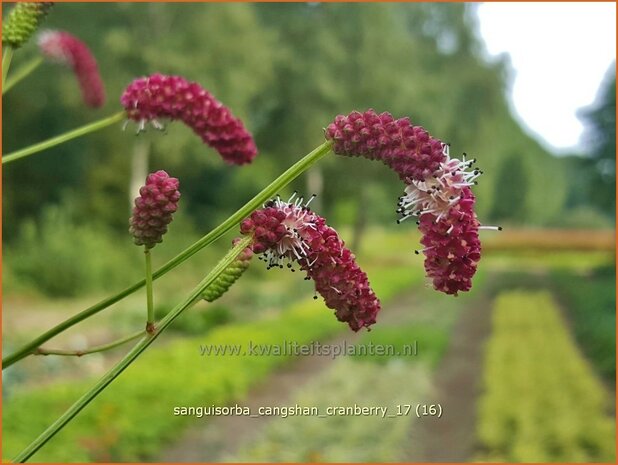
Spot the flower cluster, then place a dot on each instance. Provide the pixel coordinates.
(290, 232)
(155, 97)
(229, 276)
(437, 190)
(22, 21)
(67, 49)
(153, 210)
(409, 150)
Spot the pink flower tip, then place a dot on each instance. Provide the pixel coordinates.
(154, 207)
(155, 97)
(62, 47)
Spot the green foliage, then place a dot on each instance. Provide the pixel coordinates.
(132, 420)
(542, 402)
(591, 305)
(410, 342)
(60, 257)
(201, 321)
(135, 413)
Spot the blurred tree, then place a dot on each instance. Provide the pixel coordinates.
(601, 140)
(512, 184)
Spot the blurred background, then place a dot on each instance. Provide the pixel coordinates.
(523, 366)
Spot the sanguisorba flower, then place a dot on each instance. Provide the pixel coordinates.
(62, 47)
(407, 149)
(156, 97)
(291, 232)
(437, 190)
(22, 21)
(153, 210)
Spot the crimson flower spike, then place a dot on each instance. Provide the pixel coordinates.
(290, 232)
(156, 97)
(62, 47)
(437, 190)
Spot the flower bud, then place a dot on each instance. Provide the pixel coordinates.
(229, 276)
(153, 210)
(22, 21)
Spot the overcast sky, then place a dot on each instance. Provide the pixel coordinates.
(560, 53)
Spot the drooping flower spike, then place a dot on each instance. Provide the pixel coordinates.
(22, 21)
(290, 232)
(437, 190)
(229, 276)
(153, 210)
(62, 47)
(153, 98)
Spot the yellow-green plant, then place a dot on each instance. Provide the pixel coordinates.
(541, 400)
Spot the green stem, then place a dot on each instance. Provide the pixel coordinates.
(256, 202)
(92, 350)
(21, 73)
(64, 137)
(6, 62)
(142, 345)
(149, 300)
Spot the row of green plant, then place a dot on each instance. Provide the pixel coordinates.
(542, 402)
(133, 419)
(591, 305)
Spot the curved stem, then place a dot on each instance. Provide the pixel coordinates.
(21, 73)
(272, 189)
(142, 345)
(63, 137)
(6, 62)
(149, 299)
(92, 350)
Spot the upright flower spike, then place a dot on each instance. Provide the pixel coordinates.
(22, 21)
(291, 232)
(409, 150)
(153, 210)
(229, 276)
(149, 99)
(62, 47)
